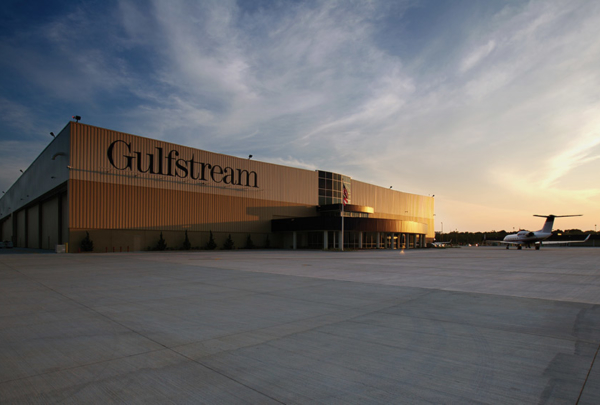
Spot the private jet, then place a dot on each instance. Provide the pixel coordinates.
(536, 238)
(440, 244)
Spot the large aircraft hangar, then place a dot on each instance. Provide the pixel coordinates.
(125, 191)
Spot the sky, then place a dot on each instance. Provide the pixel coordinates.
(492, 106)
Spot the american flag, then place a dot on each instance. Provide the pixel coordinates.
(345, 199)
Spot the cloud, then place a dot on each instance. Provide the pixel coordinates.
(577, 154)
(477, 55)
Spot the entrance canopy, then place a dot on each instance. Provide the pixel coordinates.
(351, 224)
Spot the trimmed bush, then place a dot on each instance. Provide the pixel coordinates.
(228, 245)
(186, 243)
(161, 244)
(211, 244)
(87, 245)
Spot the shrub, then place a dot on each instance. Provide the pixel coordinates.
(186, 243)
(228, 245)
(211, 244)
(249, 243)
(161, 244)
(87, 245)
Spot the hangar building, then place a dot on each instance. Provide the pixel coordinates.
(125, 190)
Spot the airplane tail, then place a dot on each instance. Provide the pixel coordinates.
(548, 224)
(550, 221)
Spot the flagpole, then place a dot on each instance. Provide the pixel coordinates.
(344, 202)
(342, 244)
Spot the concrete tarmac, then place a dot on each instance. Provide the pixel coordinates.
(456, 326)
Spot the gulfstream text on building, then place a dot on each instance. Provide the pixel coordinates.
(122, 157)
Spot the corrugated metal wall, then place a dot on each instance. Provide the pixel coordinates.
(6, 229)
(394, 204)
(102, 196)
(112, 206)
(33, 226)
(50, 224)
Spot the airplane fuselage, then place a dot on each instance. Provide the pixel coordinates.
(526, 238)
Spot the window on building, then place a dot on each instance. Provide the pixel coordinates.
(330, 187)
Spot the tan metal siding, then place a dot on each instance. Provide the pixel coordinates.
(64, 219)
(101, 196)
(89, 161)
(394, 204)
(104, 197)
(97, 205)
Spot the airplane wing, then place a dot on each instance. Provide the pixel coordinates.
(564, 242)
(500, 241)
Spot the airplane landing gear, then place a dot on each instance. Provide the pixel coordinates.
(507, 246)
(519, 247)
(537, 247)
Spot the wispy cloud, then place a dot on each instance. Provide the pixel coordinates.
(579, 153)
(477, 55)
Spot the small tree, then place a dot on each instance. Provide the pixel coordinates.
(249, 243)
(211, 244)
(228, 245)
(87, 245)
(161, 244)
(186, 243)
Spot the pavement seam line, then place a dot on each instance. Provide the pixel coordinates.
(226, 376)
(588, 375)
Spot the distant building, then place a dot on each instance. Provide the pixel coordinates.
(126, 190)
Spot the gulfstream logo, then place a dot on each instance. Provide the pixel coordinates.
(122, 157)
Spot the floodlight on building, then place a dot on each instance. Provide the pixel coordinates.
(52, 133)
(76, 118)
(249, 157)
(58, 154)
(21, 170)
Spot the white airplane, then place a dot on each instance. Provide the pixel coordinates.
(440, 244)
(528, 238)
